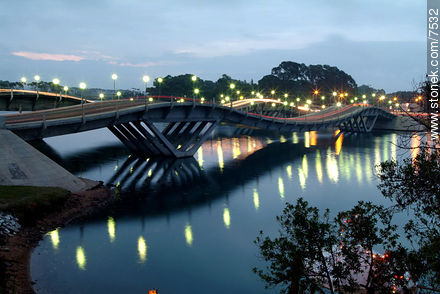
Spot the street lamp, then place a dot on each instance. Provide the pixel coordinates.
(118, 94)
(56, 82)
(101, 96)
(23, 81)
(194, 78)
(114, 78)
(160, 80)
(37, 79)
(82, 86)
(146, 79)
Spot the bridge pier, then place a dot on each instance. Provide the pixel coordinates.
(177, 139)
(359, 123)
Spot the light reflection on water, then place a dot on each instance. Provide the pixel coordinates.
(188, 225)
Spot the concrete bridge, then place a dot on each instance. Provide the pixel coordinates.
(177, 129)
(26, 100)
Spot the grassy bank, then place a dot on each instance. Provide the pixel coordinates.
(29, 203)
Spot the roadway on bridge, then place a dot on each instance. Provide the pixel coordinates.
(98, 108)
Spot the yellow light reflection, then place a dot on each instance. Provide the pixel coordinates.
(150, 172)
(200, 156)
(269, 141)
(142, 249)
(235, 148)
(332, 167)
(338, 144)
(221, 163)
(249, 141)
(295, 138)
(368, 171)
(188, 235)
(344, 163)
(54, 238)
(305, 166)
(377, 159)
(281, 187)
(256, 199)
(226, 217)
(302, 178)
(313, 138)
(307, 139)
(81, 259)
(282, 139)
(415, 143)
(393, 146)
(385, 150)
(318, 166)
(111, 228)
(358, 168)
(289, 171)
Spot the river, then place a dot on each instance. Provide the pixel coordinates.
(188, 226)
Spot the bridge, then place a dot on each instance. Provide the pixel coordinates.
(175, 126)
(26, 100)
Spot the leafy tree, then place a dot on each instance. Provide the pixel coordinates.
(414, 185)
(304, 239)
(313, 251)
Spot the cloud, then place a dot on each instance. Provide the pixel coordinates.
(143, 64)
(48, 56)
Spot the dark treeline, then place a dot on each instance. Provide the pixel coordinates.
(294, 79)
(291, 78)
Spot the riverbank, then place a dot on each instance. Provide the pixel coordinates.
(15, 252)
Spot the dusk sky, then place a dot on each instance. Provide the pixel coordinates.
(379, 42)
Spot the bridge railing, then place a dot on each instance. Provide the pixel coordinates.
(117, 105)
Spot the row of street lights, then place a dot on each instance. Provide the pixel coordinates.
(224, 99)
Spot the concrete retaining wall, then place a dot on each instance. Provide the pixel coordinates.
(22, 164)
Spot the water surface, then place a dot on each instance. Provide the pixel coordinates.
(188, 226)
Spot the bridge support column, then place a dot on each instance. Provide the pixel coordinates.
(178, 139)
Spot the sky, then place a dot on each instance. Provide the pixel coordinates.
(381, 43)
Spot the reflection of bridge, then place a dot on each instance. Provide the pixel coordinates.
(187, 124)
(26, 100)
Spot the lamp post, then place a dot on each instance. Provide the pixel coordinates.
(56, 83)
(114, 78)
(146, 79)
(196, 91)
(101, 96)
(232, 86)
(118, 94)
(334, 96)
(23, 81)
(160, 80)
(82, 86)
(37, 80)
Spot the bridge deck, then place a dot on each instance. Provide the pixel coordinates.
(189, 123)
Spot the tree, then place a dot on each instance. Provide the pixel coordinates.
(305, 237)
(414, 185)
(341, 254)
